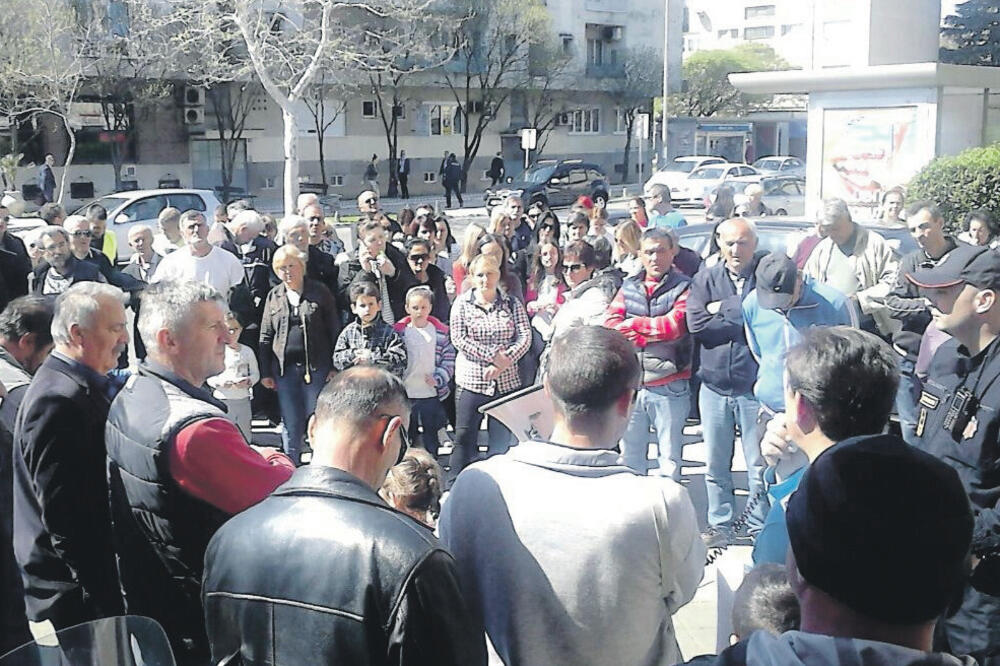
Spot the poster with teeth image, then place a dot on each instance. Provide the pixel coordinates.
(868, 151)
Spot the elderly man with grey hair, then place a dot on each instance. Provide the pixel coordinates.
(256, 253)
(60, 268)
(177, 467)
(62, 526)
(858, 263)
(320, 266)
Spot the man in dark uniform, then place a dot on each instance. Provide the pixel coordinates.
(959, 422)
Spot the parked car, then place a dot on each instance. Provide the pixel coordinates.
(783, 195)
(784, 165)
(127, 209)
(705, 179)
(783, 234)
(554, 182)
(674, 173)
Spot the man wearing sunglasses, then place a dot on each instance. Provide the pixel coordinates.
(383, 588)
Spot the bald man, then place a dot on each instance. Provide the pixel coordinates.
(727, 371)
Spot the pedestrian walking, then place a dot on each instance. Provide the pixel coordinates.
(403, 174)
(497, 170)
(371, 174)
(47, 180)
(452, 180)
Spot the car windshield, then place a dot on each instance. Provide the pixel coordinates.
(680, 167)
(712, 173)
(109, 204)
(768, 165)
(538, 174)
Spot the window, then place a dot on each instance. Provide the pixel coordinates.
(368, 108)
(735, 33)
(270, 182)
(758, 11)
(594, 174)
(430, 177)
(585, 121)
(758, 32)
(184, 202)
(621, 120)
(595, 51)
(444, 119)
(577, 177)
(337, 181)
(787, 28)
(143, 209)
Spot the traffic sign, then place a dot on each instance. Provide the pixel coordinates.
(529, 138)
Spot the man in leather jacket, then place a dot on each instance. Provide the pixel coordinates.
(356, 582)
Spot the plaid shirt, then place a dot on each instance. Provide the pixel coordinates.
(387, 349)
(478, 334)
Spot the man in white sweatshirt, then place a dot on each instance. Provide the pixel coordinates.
(565, 555)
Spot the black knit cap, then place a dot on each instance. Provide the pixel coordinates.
(882, 527)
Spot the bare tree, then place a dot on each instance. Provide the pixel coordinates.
(42, 67)
(325, 111)
(642, 79)
(492, 63)
(231, 103)
(550, 68)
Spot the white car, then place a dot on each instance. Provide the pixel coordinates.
(676, 171)
(705, 179)
(127, 209)
(781, 165)
(783, 195)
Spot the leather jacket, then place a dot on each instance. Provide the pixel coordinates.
(323, 571)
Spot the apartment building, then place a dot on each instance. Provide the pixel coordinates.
(181, 143)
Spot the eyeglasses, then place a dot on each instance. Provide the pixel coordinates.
(575, 267)
(404, 437)
(418, 257)
(82, 234)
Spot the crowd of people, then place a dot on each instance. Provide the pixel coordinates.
(140, 488)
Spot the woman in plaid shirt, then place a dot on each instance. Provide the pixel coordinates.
(491, 332)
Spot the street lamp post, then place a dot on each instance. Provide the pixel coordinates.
(666, 79)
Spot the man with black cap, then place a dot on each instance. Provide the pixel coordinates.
(880, 535)
(784, 304)
(959, 422)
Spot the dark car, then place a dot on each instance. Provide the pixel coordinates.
(783, 234)
(553, 182)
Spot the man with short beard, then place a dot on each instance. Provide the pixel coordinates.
(60, 268)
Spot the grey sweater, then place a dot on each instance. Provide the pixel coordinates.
(568, 557)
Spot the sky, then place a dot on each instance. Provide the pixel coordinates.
(948, 7)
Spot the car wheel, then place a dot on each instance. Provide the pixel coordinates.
(781, 211)
(601, 200)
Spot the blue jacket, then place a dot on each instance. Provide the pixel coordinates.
(771, 334)
(726, 364)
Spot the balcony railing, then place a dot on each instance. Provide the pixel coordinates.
(605, 71)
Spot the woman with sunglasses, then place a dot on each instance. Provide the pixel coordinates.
(589, 292)
(423, 273)
(297, 336)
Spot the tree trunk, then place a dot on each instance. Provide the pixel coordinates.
(291, 145)
(628, 147)
(69, 156)
(322, 160)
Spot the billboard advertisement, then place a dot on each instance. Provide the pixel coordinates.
(868, 151)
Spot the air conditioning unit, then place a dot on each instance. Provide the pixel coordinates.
(128, 172)
(617, 33)
(562, 119)
(194, 116)
(194, 96)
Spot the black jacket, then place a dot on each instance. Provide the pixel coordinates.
(436, 281)
(79, 271)
(321, 267)
(257, 267)
(384, 591)
(62, 523)
(322, 326)
(725, 363)
(14, 265)
(351, 272)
